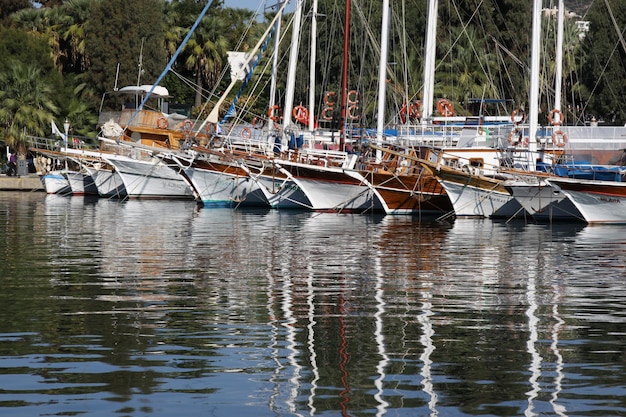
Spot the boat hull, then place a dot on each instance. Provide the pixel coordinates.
(597, 201)
(150, 178)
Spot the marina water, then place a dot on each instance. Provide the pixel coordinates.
(159, 308)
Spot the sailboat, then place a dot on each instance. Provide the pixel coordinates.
(526, 182)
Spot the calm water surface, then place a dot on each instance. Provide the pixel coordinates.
(156, 308)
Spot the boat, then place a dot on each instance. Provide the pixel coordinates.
(598, 201)
(55, 182)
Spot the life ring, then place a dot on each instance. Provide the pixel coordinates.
(327, 113)
(352, 110)
(162, 123)
(246, 133)
(415, 111)
(327, 98)
(512, 135)
(353, 97)
(301, 114)
(187, 125)
(555, 121)
(446, 109)
(555, 138)
(514, 115)
(271, 113)
(258, 123)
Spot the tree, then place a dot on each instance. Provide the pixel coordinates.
(7, 7)
(206, 52)
(604, 70)
(26, 105)
(128, 34)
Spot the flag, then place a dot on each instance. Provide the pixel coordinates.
(55, 129)
(57, 132)
(237, 60)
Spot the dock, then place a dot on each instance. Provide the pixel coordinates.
(30, 182)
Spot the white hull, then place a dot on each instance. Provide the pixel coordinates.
(597, 201)
(282, 193)
(55, 182)
(219, 189)
(109, 184)
(81, 183)
(150, 178)
(541, 200)
(478, 202)
(319, 188)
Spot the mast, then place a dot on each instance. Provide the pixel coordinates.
(344, 77)
(533, 113)
(382, 78)
(429, 62)
(272, 101)
(312, 67)
(559, 60)
(293, 62)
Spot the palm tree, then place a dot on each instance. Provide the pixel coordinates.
(26, 105)
(206, 53)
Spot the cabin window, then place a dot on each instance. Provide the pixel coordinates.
(476, 162)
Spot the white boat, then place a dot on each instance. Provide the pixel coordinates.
(597, 201)
(55, 182)
(81, 183)
(150, 177)
(540, 200)
(220, 183)
(108, 183)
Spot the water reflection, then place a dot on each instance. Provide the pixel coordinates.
(156, 307)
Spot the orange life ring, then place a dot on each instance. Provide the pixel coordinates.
(327, 113)
(353, 97)
(301, 114)
(246, 133)
(414, 111)
(258, 123)
(555, 138)
(162, 123)
(551, 118)
(352, 110)
(327, 98)
(187, 125)
(446, 109)
(514, 115)
(271, 113)
(515, 136)
(210, 128)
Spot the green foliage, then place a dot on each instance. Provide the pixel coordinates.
(604, 70)
(26, 104)
(125, 34)
(7, 7)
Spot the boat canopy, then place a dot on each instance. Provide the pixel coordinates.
(159, 91)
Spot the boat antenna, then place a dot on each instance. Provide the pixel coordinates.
(140, 65)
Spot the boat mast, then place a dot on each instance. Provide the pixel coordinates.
(429, 62)
(558, 82)
(312, 67)
(344, 77)
(272, 101)
(213, 116)
(533, 113)
(293, 63)
(382, 78)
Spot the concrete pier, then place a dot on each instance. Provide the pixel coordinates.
(30, 182)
